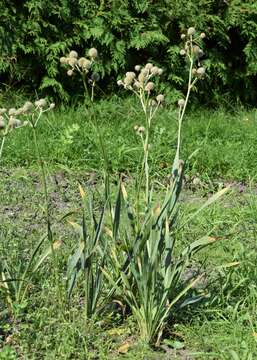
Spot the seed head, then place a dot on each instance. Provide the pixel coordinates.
(14, 122)
(153, 103)
(196, 50)
(191, 31)
(141, 129)
(154, 70)
(92, 53)
(12, 112)
(27, 106)
(73, 54)
(72, 61)
(119, 82)
(141, 77)
(182, 52)
(130, 74)
(84, 63)
(160, 71)
(41, 103)
(128, 80)
(70, 72)
(137, 85)
(52, 106)
(200, 71)
(182, 36)
(202, 35)
(63, 60)
(149, 86)
(181, 103)
(137, 67)
(3, 111)
(160, 98)
(149, 66)
(20, 111)
(2, 123)
(136, 127)
(144, 71)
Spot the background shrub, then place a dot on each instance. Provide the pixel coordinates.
(35, 33)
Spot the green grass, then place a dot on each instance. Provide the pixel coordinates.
(223, 327)
(226, 141)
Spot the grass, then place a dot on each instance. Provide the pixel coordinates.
(223, 327)
(226, 141)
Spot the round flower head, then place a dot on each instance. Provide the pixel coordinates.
(154, 70)
(3, 111)
(72, 61)
(200, 71)
(14, 122)
(12, 111)
(63, 60)
(93, 53)
(182, 52)
(148, 66)
(128, 80)
(153, 103)
(191, 31)
(41, 103)
(131, 74)
(202, 35)
(144, 71)
(196, 50)
(73, 54)
(136, 127)
(20, 111)
(137, 85)
(181, 103)
(2, 124)
(160, 71)
(141, 130)
(84, 63)
(70, 72)
(141, 77)
(119, 82)
(160, 98)
(27, 106)
(149, 86)
(52, 106)
(137, 67)
(182, 36)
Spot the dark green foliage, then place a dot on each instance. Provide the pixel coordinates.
(35, 33)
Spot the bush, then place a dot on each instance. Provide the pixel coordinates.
(34, 33)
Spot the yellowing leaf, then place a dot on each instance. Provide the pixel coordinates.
(82, 192)
(123, 349)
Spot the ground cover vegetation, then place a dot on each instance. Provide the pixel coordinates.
(111, 245)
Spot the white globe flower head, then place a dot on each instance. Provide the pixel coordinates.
(93, 53)
(191, 31)
(149, 86)
(3, 111)
(63, 60)
(181, 103)
(200, 71)
(14, 123)
(12, 112)
(137, 67)
(73, 54)
(160, 98)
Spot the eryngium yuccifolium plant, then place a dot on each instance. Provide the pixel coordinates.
(14, 118)
(146, 265)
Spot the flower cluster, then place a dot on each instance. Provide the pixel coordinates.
(14, 118)
(142, 80)
(81, 64)
(193, 51)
